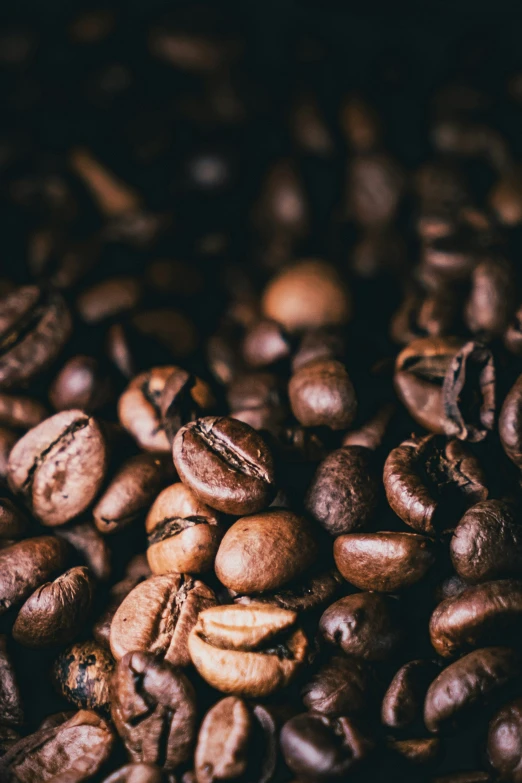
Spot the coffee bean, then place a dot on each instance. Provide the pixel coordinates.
(265, 551)
(13, 522)
(21, 412)
(81, 383)
(56, 611)
(139, 409)
(371, 434)
(344, 491)
(307, 296)
(77, 748)
(323, 748)
(403, 702)
(10, 698)
(102, 627)
(265, 343)
(319, 345)
(59, 466)
(183, 533)
(424, 752)
(309, 592)
(505, 741)
(8, 737)
(468, 393)
(226, 464)
(510, 424)
(386, 562)
(136, 773)
(429, 482)
(26, 565)
(131, 491)
(513, 334)
(491, 302)
(109, 298)
(341, 686)
(158, 615)
(420, 370)
(365, 625)
(375, 187)
(184, 398)
(470, 685)
(251, 650)
(154, 710)
(488, 612)
(322, 394)
(487, 542)
(34, 327)
(257, 399)
(82, 675)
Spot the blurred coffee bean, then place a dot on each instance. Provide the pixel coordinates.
(81, 383)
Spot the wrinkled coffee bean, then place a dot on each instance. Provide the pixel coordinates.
(59, 466)
(505, 742)
(250, 650)
(468, 393)
(154, 710)
(366, 625)
(82, 675)
(226, 464)
(26, 565)
(322, 394)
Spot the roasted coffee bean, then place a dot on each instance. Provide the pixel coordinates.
(344, 491)
(137, 571)
(136, 773)
(468, 393)
(131, 491)
(319, 345)
(26, 565)
(308, 295)
(492, 299)
(250, 650)
(81, 383)
(322, 394)
(154, 710)
(13, 522)
(184, 398)
(109, 298)
(265, 343)
(56, 611)
(341, 686)
(77, 749)
(374, 189)
(420, 370)
(82, 675)
(429, 483)
(305, 595)
(510, 423)
(365, 625)
(34, 327)
(183, 533)
(265, 551)
(21, 412)
(257, 399)
(386, 562)
(226, 464)
(59, 466)
(323, 748)
(158, 615)
(11, 707)
(505, 742)
(139, 408)
(479, 615)
(487, 542)
(371, 435)
(472, 684)
(90, 546)
(403, 702)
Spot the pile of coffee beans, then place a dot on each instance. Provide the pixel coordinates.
(260, 410)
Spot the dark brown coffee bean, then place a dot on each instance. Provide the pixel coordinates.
(26, 565)
(136, 773)
(265, 343)
(385, 562)
(185, 397)
(109, 298)
(429, 483)
(154, 710)
(82, 675)
(487, 542)
(56, 611)
(282, 206)
(420, 370)
(492, 299)
(183, 533)
(11, 708)
(21, 412)
(468, 393)
(321, 748)
(81, 383)
(59, 466)
(251, 650)
(482, 614)
(344, 491)
(157, 617)
(319, 345)
(257, 399)
(13, 522)
(342, 686)
(365, 625)
(77, 749)
(265, 551)
(306, 594)
(308, 295)
(131, 491)
(139, 408)
(34, 327)
(505, 742)
(403, 702)
(470, 685)
(322, 394)
(226, 464)
(510, 423)
(90, 546)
